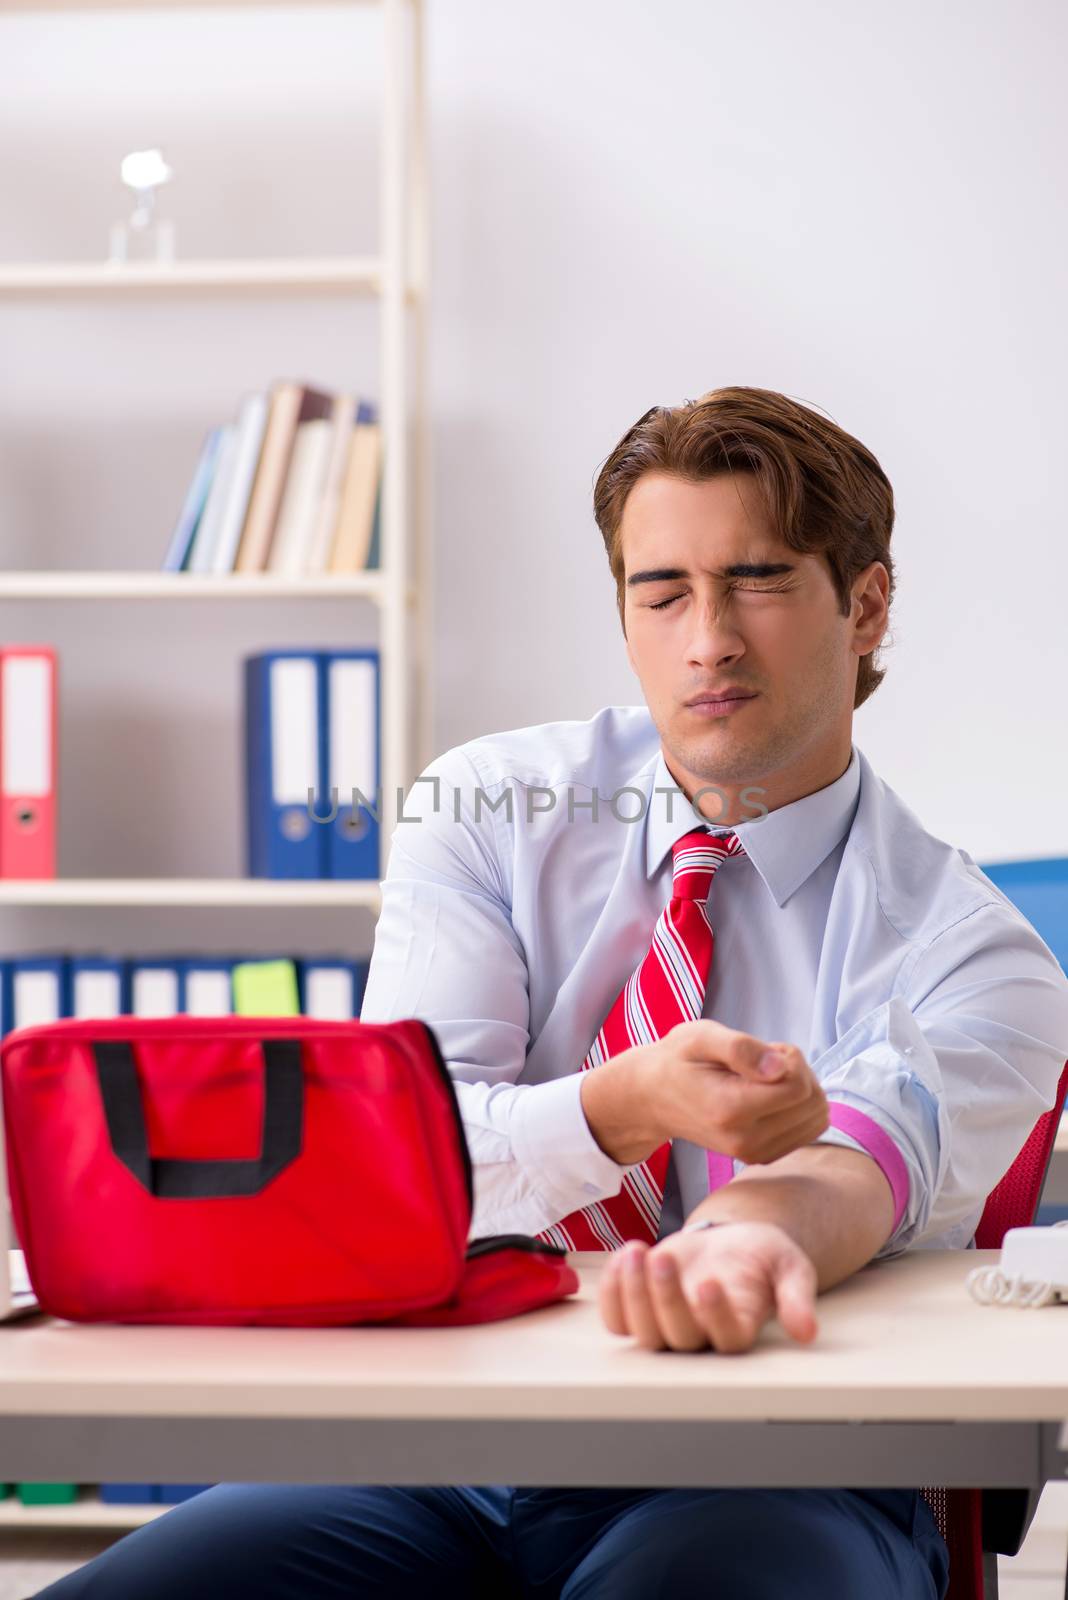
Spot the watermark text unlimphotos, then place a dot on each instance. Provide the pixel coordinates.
(628, 804)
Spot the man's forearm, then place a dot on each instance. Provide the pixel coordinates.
(835, 1203)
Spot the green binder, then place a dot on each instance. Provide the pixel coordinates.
(47, 1494)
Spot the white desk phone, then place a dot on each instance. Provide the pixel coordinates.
(1033, 1270)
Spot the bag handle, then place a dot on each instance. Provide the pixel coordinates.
(283, 1126)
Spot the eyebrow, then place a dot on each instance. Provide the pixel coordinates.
(741, 569)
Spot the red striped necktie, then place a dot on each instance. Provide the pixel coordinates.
(666, 988)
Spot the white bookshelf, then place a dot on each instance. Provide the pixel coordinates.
(397, 276)
(165, 5)
(397, 279)
(369, 586)
(303, 275)
(250, 892)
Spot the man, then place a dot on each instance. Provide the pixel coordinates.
(714, 1001)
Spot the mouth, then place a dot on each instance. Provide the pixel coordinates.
(720, 705)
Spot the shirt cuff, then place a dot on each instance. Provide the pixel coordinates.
(551, 1138)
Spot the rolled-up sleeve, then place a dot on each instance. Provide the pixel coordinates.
(446, 951)
(943, 1083)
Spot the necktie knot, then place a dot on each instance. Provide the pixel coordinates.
(696, 857)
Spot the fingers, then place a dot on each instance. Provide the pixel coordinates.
(794, 1137)
(735, 1317)
(705, 1039)
(757, 1126)
(720, 1103)
(732, 1323)
(773, 1136)
(799, 1088)
(609, 1298)
(641, 1294)
(656, 1305)
(795, 1297)
(618, 1311)
(796, 1084)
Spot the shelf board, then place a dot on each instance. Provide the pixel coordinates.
(188, 586)
(330, 274)
(14, 6)
(318, 893)
(88, 1511)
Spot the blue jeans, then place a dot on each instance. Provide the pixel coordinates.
(297, 1542)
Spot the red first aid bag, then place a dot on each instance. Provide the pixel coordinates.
(279, 1170)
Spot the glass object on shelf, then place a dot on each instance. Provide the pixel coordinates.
(143, 236)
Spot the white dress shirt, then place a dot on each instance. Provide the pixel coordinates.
(523, 892)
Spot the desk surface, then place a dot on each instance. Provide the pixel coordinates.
(901, 1340)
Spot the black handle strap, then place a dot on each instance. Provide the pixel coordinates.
(283, 1126)
(490, 1243)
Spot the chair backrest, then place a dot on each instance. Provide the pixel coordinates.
(1013, 1203)
(1040, 890)
(964, 1516)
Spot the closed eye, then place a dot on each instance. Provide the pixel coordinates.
(761, 588)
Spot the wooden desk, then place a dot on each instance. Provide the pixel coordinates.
(910, 1381)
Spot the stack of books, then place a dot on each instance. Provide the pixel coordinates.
(292, 487)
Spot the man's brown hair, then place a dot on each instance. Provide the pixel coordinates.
(824, 491)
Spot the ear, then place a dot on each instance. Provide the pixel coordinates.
(870, 596)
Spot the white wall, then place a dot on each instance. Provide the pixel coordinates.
(853, 203)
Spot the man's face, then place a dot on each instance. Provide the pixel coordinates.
(778, 635)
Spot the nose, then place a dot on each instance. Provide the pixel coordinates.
(714, 641)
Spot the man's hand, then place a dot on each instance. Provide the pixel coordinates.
(703, 1081)
(712, 1288)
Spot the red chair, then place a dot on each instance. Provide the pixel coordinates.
(978, 1524)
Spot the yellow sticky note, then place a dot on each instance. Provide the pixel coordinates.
(266, 989)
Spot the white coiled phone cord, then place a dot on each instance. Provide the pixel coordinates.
(991, 1287)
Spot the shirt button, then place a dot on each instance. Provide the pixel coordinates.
(589, 1188)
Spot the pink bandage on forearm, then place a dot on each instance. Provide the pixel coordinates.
(882, 1149)
(720, 1170)
(869, 1136)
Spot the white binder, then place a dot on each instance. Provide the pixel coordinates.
(329, 991)
(154, 991)
(95, 991)
(207, 991)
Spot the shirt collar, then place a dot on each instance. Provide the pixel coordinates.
(786, 846)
